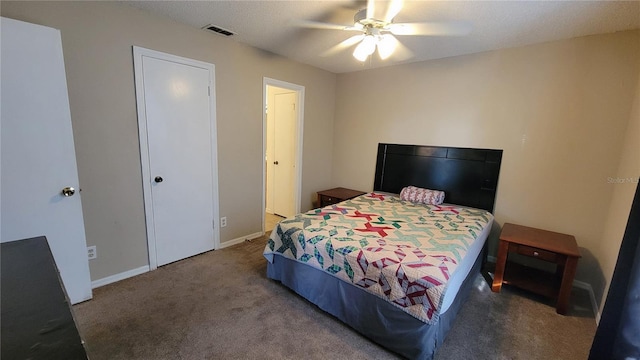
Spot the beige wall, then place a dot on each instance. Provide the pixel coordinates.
(97, 38)
(624, 182)
(559, 110)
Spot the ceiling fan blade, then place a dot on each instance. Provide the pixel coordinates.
(320, 25)
(394, 8)
(343, 45)
(453, 28)
(371, 8)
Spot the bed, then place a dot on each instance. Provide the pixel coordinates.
(394, 270)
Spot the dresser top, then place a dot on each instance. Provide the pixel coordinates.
(341, 193)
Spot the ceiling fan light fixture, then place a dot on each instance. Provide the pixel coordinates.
(386, 46)
(376, 32)
(365, 48)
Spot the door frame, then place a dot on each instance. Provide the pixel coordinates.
(299, 90)
(138, 54)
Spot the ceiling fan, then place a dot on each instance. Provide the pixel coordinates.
(379, 33)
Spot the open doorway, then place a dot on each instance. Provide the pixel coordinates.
(282, 136)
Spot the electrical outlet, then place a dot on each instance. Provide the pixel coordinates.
(92, 253)
(223, 221)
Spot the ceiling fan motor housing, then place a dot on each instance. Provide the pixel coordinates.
(368, 23)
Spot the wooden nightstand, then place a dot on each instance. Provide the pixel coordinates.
(336, 195)
(549, 246)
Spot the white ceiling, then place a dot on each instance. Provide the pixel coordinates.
(496, 24)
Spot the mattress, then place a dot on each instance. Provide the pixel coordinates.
(465, 266)
(413, 256)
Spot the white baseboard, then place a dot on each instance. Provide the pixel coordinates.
(120, 276)
(240, 239)
(580, 285)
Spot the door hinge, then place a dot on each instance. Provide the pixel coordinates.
(213, 222)
(209, 90)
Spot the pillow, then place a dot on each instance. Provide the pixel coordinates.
(422, 196)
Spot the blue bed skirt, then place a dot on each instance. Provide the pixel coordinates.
(368, 314)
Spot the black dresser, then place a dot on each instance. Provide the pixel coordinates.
(36, 319)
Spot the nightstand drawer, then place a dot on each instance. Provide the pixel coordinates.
(537, 253)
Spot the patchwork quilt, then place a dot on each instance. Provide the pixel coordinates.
(398, 250)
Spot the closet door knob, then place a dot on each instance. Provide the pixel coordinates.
(68, 191)
(158, 179)
(275, 162)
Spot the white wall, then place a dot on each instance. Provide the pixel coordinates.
(559, 110)
(97, 38)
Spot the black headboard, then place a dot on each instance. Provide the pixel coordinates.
(468, 177)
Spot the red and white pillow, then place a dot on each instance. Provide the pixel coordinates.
(422, 196)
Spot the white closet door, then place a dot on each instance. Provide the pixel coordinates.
(38, 156)
(177, 115)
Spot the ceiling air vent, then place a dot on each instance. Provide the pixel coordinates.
(218, 30)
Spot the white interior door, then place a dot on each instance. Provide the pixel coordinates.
(38, 155)
(284, 112)
(180, 137)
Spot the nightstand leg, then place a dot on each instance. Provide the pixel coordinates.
(567, 283)
(501, 261)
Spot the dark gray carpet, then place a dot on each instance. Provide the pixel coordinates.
(220, 305)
